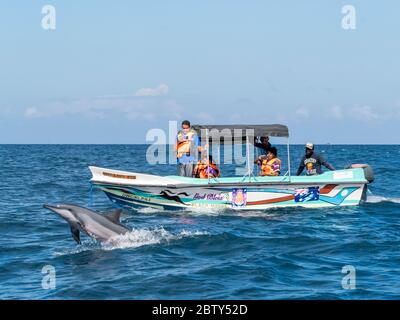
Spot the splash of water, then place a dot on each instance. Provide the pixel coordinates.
(148, 210)
(133, 239)
(87, 245)
(205, 211)
(137, 238)
(378, 199)
(140, 237)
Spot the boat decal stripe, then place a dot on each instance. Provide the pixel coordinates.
(132, 191)
(287, 198)
(136, 201)
(135, 204)
(324, 190)
(119, 176)
(340, 197)
(328, 188)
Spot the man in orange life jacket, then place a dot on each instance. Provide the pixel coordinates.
(187, 147)
(270, 164)
(312, 162)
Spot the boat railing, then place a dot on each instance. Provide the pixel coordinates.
(286, 176)
(250, 172)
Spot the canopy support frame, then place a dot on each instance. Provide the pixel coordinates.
(288, 158)
(249, 172)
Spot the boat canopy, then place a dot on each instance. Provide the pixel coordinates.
(240, 132)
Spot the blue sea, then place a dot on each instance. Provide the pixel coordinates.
(292, 253)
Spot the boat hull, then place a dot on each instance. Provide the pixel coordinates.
(257, 194)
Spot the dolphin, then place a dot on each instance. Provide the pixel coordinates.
(97, 226)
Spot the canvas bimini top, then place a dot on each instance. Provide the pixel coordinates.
(238, 133)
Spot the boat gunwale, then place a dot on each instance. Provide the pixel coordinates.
(227, 184)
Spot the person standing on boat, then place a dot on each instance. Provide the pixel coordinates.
(264, 145)
(312, 162)
(187, 147)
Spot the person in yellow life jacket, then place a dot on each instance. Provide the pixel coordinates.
(270, 164)
(206, 169)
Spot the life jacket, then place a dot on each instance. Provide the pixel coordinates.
(204, 171)
(184, 143)
(271, 167)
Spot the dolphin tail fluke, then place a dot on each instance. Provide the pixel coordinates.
(75, 234)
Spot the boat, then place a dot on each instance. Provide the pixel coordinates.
(346, 187)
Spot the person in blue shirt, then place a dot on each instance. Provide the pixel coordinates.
(187, 147)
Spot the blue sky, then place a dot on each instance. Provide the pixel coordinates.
(114, 69)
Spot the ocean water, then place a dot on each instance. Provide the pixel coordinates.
(273, 254)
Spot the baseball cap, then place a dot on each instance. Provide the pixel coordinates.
(310, 146)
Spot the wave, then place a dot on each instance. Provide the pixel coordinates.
(269, 214)
(148, 210)
(140, 237)
(133, 239)
(378, 199)
(87, 245)
(48, 185)
(204, 211)
(190, 211)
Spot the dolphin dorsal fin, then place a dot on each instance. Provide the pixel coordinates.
(114, 216)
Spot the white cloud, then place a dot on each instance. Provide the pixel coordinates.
(162, 89)
(205, 117)
(357, 112)
(336, 112)
(130, 107)
(31, 112)
(364, 113)
(6, 111)
(303, 112)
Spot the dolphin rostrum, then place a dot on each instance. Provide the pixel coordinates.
(95, 225)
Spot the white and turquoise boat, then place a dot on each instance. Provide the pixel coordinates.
(345, 187)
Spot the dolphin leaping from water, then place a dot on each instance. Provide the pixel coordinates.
(97, 226)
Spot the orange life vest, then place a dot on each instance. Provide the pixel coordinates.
(271, 167)
(184, 143)
(204, 171)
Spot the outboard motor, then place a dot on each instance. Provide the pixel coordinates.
(368, 172)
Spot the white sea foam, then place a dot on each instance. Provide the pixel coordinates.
(141, 237)
(212, 211)
(133, 239)
(377, 199)
(138, 238)
(87, 245)
(148, 210)
(186, 210)
(187, 233)
(266, 214)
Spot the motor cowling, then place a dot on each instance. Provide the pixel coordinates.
(368, 172)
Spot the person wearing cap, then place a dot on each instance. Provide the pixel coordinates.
(264, 145)
(312, 162)
(187, 146)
